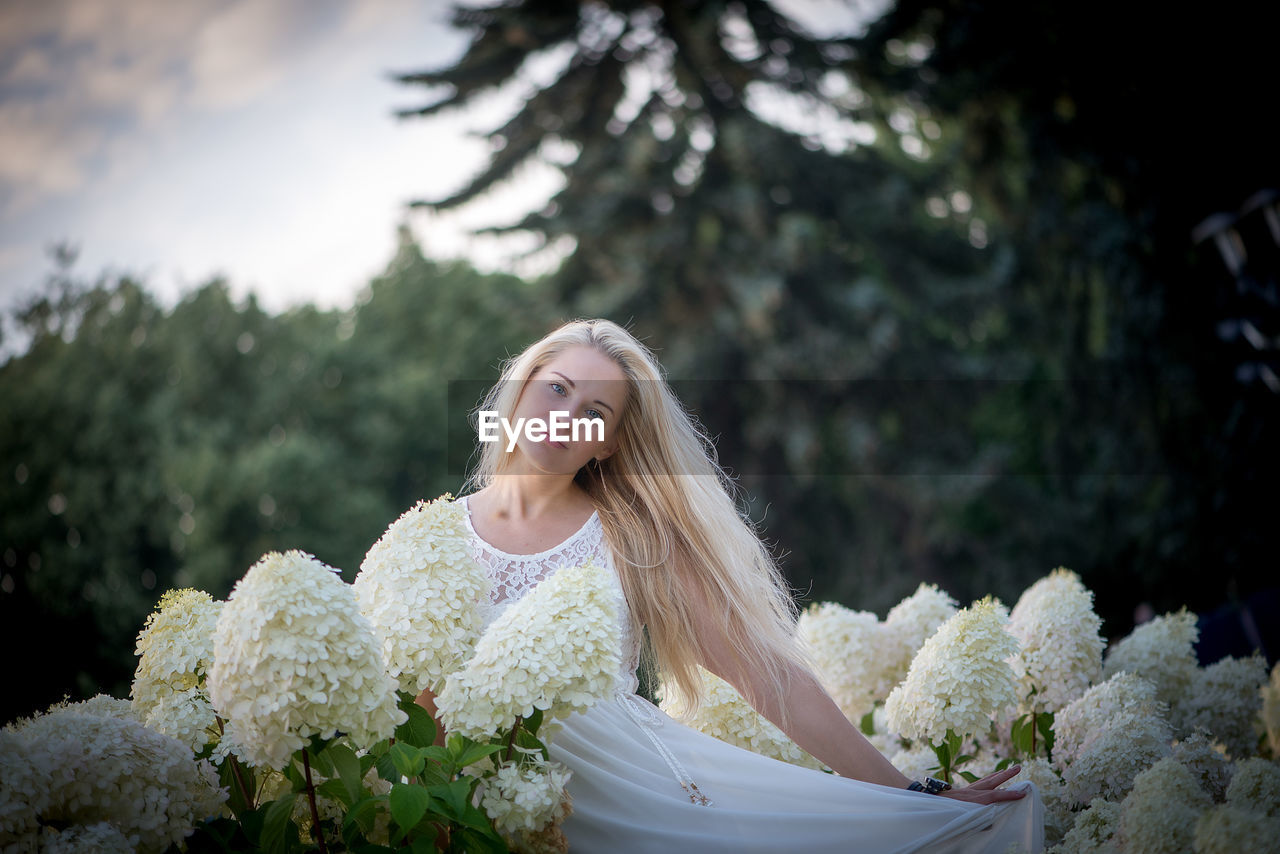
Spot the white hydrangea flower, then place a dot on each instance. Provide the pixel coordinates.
(847, 650)
(526, 797)
(1159, 816)
(960, 678)
(909, 624)
(916, 763)
(110, 768)
(556, 649)
(100, 838)
(1207, 760)
(175, 650)
(293, 658)
(1058, 817)
(1161, 651)
(725, 715)
(1255, 786)
(1224, 699)
(1061, 648)
(1094, 830)
(1123, 693)
(24, 793)
(1110, 758)
(1225, 829)
(1271, 710)
(421, 588)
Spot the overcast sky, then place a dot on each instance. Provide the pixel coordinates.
(249, 138)
(178, 140)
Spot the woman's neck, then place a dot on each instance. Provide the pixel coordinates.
(529, 498)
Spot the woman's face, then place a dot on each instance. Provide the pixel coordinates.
(585, 384)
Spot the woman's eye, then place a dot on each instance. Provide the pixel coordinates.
(594, 413)
(558, 389)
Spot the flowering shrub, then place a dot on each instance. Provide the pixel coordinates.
(175, 650)
(93, 765)
(725, 715)
(555, 650)
(844, 647)
(294, 658)
(421, 589)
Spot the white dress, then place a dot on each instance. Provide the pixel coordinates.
(643, 782)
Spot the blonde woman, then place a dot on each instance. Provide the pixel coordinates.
(646, 499)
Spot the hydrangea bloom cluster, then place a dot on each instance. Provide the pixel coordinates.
(421, 589)
(1058, 817)
(100, 838)
(293, 658)
(1061, 648)
(110, 768)
(1093, 831)
(23, 793)
(556, 649)
(1161, 651)
(725, 715)
(1159, 816)
(1229, 830)
(909, 624)
(1093, 711)
(526, 797)
(1207, 761)
(959, 679)
(846, 648)
(175, 650)
(1255, 786)
(1108, 761)
(1225, 700)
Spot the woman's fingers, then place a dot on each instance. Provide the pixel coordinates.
(991, 781)
(986, 791)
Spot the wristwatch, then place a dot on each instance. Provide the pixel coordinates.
(930, 786)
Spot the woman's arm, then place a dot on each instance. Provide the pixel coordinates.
(815, 723)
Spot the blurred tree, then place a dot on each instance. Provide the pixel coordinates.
(144, 448)
(952, 223)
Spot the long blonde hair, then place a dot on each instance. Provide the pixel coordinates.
(679, 542)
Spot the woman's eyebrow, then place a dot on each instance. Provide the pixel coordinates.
(571, 384)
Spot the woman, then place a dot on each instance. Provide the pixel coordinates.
(647, 500)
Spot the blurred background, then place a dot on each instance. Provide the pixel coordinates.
(963, 291)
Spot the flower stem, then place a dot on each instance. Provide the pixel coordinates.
(235, 771)
(1033, 734)
(311, 799)
(511, 739)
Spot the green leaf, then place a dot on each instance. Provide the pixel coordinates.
(475, 841)
(420, 729)
(409, 803)
(423, 845)
(1021, 734)
(454, 797)
(278, 829)
(475, 752)
(868, 723)
(347, 764)
(1004, 763)
(969, 776)
(334, 791)
(318, 754)
(236, 799)
(360, 818)
(408, 759)
(1044, 723)
(387, 768)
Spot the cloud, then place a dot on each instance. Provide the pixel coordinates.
(81, 81)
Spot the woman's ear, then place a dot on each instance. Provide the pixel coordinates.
(606, 453)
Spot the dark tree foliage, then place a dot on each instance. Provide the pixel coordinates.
(946, 292)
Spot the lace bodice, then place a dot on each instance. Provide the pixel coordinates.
(511, 576)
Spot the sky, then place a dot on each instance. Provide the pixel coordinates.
(252, 139)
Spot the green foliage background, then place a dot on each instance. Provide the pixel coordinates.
(971, 350)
